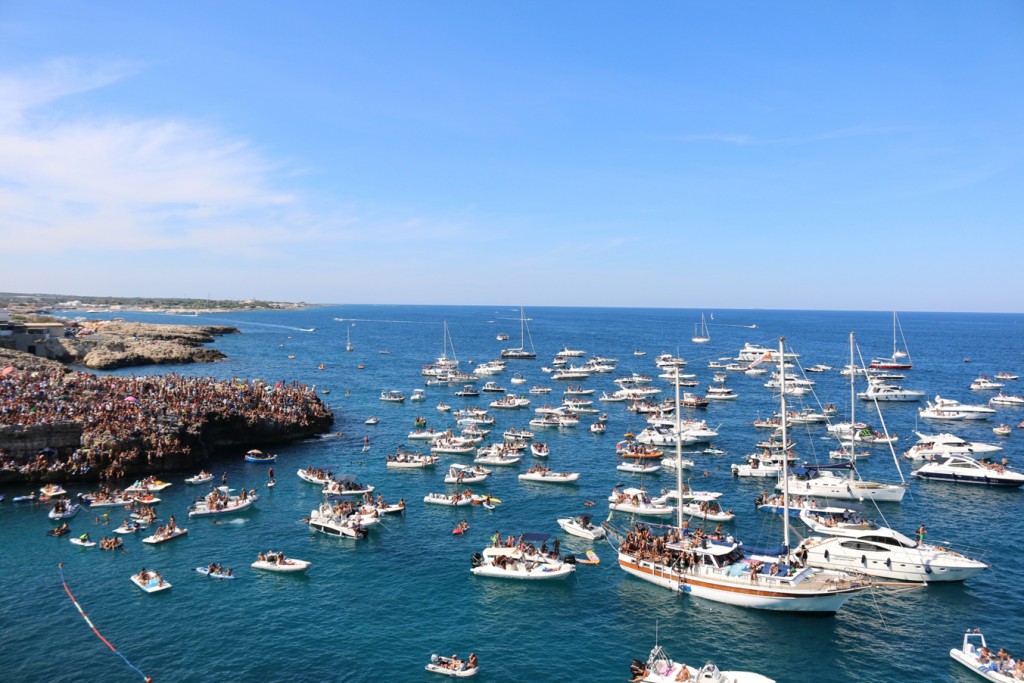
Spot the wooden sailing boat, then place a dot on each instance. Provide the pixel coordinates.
(722, 571)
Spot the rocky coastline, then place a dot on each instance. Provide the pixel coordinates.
(63, 425)
(106, 345)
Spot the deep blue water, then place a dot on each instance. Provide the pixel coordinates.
(376, 609)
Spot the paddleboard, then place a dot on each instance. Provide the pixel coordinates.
(271, 484)
(592, 558)
(84, 544)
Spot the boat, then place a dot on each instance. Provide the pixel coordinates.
(660, 668)
(720, 393)
(975, 655)
(598, 428)
(418, 395)
(277, 562)
(881, 391)
(455, 499)
(221, 502)
(409, 460)
(1002, 399)
(984, 383)
(150, 581)
(900, 359)
(515, 563)
(52, 490)
(64, 510)
(258, 456)
(517, 378)
(540, 390)
(639, 352)
(721, 570)
(339, 521)
(493, 387)
(217, 572)
(635, 501)
(521, 352)
(931, 446)
(129, 527)
(950, 409)
(24, 499)
(852, 543)
(964, 469)
(392, 396)
(345, 485)
(348, 339)
(468, 391)
(372, 420)
(453, 666)
(701, 334)
(543, 474)
(443, 407)
(314, 475)
(638, 467)
(706, 507)
(1007, 377)
(163, 535)
(466, 474)
(582, 527)
(1002, 430)
(62, 530)
(200, 478)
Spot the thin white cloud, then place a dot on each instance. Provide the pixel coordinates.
(743, 139)
(107, 183)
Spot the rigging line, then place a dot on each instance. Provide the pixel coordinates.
(60, 567)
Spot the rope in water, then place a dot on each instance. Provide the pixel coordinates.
(99, 635)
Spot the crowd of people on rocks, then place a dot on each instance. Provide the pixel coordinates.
(136, 421)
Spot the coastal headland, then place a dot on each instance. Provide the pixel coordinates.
(62, 424)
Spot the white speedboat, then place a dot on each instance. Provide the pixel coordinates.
(408, 460)
(201, 478)
(163, 535)
(1002, 399)
(150, 581)
(346, 485)
(327, 520)
(582, 527)
(277, 562)
(543, 474)
(221, 502)
(513, 563)
(392, 396)
(638, 467)
(466, 474)
(706, 507)
(454, 499)
(859, 545)
(930, 446)
(983, 383)
(879, 391)
(949, 409)
(451, 666)
(636, 501)
(824, 482)
(314, 475)
(660, 668)
(64, 510)
(975, 655)
(963, 469)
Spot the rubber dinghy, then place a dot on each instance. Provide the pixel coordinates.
(451, 666)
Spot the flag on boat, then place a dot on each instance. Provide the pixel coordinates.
(766, 356)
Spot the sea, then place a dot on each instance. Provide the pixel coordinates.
(376, 609)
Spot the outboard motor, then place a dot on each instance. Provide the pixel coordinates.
(637, 667)
(570, 559)
(476, 560)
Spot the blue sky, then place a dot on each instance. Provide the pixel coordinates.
(818, 155)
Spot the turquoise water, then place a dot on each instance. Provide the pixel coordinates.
(376, 609)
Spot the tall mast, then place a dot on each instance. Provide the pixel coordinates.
(853, 396)
(894, 334)
(679, 455)
(785, 443)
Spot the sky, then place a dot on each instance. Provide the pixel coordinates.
(685, 154)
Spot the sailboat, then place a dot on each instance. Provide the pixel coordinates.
(723, 571)
(830, 481)
(900, 359)
(348, 339)
(701, 335)
(848, 432)
(446, 367)
(521, 352)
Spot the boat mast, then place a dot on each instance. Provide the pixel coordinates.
(679, 456)
(894, 349)
(853, 396)
(785, 444)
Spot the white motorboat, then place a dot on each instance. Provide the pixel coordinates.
(345, 485)
(635, 501)
(492, 387)
(497, 455)
(64, 510)
(201, 478)
(963, 469)
(706, 507)
(660, 668)
(513, 563)
(429, 434)
(582, 527)
(638, 467)
(518, 378)
(277, 562)
(314, 475)
(451, 666)
(455, 499)
(1002, 399)
(221, 502)
(372, 420)
(975, 655)
(392, 396)
(673, 463)
(418, 395)
(510, 402)
(859, 545)
(931, 446)
(949, 409)
(443, 407)
(52, 490)
(163, 535)
(543, 474)
(824, 482)
(1002, 430)
(466, 474)
(334, 522)
(539, 449)
(150, 581)
(720, 393)
(879, 391)
(409, 460)
(984, 383)
(1006, 377)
